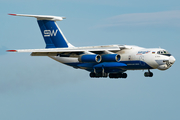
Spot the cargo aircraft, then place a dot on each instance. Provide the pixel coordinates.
(101, 61)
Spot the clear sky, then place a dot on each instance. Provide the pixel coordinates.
(39, 88)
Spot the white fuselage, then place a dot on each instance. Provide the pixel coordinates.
(135, 57)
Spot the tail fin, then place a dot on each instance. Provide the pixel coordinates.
(53, 36)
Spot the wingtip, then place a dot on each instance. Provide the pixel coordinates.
(12, 14)
(11, 50)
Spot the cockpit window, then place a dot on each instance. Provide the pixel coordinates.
(164, 52)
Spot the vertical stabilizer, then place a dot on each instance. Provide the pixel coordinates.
(53, 36)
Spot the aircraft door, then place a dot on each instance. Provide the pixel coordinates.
(141, 58)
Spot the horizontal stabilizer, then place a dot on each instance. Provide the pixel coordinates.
(41, 17)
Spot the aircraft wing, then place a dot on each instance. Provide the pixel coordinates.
(74, 51)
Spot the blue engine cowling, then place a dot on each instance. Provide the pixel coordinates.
(111, 58)
(90, 58)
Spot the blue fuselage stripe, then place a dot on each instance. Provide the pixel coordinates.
(130, 65)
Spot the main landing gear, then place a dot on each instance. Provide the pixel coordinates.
(97, 75)
(105, 75)
(148, 74)
(117, 75)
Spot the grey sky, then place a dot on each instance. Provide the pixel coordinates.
(165, 18)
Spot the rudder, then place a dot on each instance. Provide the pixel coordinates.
(53, 36)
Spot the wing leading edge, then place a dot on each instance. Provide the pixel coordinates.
(76, 50)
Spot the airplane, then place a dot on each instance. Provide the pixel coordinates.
(101, 61)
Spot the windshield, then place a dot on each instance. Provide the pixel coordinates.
(164, 52)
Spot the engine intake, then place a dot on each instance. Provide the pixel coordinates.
(111, 58)
(90, 58)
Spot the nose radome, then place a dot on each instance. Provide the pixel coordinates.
(172, 59)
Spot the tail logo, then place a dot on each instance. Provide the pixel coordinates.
(48, 33)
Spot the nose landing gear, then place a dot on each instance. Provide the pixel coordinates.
(148, 74)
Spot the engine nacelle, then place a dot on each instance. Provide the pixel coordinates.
(90, 58)
(111, 58)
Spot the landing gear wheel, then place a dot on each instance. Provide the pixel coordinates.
(97, 75)
(124, 75)
(151, 74)
(113, 75)
(148, 74)
(117, 75)
(92, 74)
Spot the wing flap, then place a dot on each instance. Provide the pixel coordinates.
(44, 54)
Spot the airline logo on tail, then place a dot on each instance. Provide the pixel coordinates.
(48, 33)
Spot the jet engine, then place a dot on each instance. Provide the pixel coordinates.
(111, 58)
(90, 58)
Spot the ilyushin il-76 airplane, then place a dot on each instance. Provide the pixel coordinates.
(101, 61)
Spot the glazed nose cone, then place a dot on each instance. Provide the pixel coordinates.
(172, 59)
